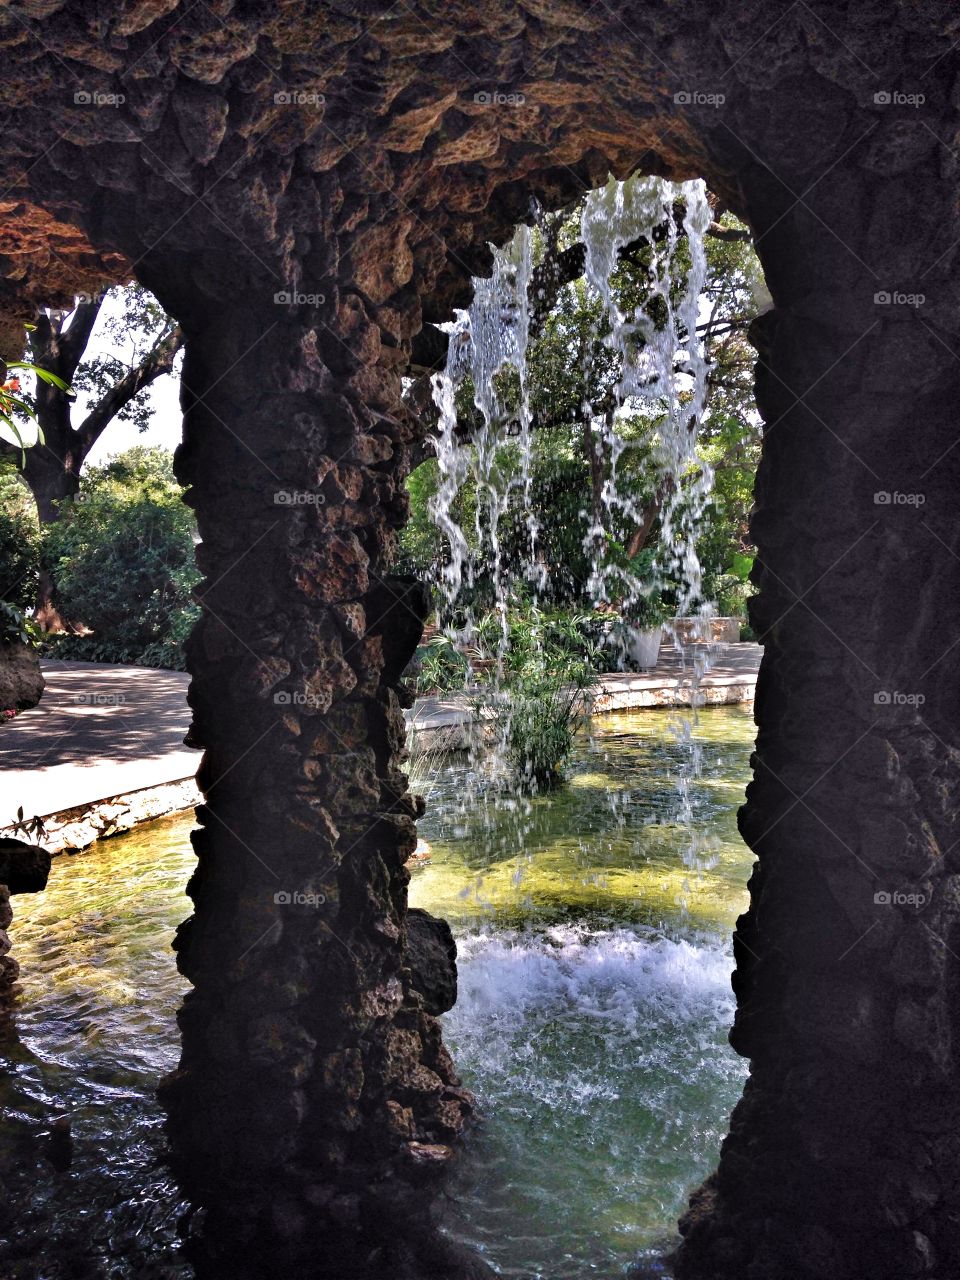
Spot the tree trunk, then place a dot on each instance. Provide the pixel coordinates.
(50, 485)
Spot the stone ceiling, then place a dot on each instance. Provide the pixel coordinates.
(408, 134)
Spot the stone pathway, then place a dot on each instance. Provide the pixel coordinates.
(102, 732)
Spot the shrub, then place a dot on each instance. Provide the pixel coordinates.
(15, 626)
(542, 697)
(19, 543)
(122, 558)
(441, 667)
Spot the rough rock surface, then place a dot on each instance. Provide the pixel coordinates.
(21, 680)
(23, 869)
(303, 186)
(432, 959)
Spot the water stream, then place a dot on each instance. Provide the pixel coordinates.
(591, 1021)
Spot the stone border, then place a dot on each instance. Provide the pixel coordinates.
(74, 829)
(450, 735)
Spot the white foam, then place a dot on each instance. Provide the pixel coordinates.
(561, 1016)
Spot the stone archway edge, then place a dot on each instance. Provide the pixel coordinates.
(103, 750)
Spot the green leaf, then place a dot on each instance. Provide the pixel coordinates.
(741, 565)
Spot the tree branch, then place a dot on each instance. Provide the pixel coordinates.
(158, 361)
(72, 341)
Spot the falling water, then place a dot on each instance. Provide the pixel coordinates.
(663, 372)
(662, 376)
(492, 336)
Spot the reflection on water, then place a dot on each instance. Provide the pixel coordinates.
(93, 1034)
(594, 1000)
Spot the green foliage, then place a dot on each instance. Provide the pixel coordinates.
(14, 409)
(420, 540)
(541, 698)
(16, 627)
(19, 541)
(122, 555)
(126, 339)
(570, 365)
(443, 667)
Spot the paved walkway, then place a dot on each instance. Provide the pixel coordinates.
(99, 731)
(102, 731)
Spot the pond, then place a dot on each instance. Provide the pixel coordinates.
(593, 928)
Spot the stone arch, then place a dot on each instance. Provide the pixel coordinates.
(356, 158)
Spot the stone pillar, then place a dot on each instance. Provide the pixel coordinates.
(843, 1159)
(314, 1097)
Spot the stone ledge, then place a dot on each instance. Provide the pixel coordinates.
(452, 731)
(74, 829)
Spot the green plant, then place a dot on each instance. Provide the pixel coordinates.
(646, 612)
(442, 666)
(124, 563)
(540, 698)
(12, 403)
(19, 541)
(15, 626)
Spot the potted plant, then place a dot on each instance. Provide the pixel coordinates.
(638, 633)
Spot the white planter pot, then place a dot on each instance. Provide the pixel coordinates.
(639, 648)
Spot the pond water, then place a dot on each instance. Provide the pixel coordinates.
(593, 927)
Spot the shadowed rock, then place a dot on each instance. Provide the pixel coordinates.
(21, 680)
(432, 959)
(23, 867)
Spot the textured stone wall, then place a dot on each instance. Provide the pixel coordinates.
(358, 157)
(24, 868)
(843, 1156)
(313, 1085)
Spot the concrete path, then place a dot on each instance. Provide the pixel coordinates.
(102, 731)
(99, 731)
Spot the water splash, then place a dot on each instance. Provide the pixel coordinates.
(662, 377)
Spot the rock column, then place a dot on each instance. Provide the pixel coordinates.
(314, 1098)
(843, 1159)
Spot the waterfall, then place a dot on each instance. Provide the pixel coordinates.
(662, 377)
(490, 337)
(664, 372)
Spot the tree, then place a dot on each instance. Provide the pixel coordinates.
(58, 345)
(123, 559)
(19, 541)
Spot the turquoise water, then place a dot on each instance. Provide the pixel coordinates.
(593, 928)
(594, 933)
